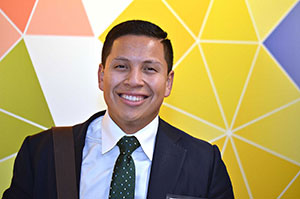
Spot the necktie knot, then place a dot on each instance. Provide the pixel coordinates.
(128, 144)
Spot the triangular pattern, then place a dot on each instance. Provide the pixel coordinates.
(20, 91)
(68, 77)
(293, 191)
(188, 124)
(237, 180)
(269, 88)
(152, 11)
(220, 143)
(6, 174)
(266, 174)
(228, 72)
(276, 9)
(284, 44)
(63, 84)
(280, 132)
(191, 12)
(18, 11)
(69, 18)
(8, 35)
(113, 8)
(197, 88)
(13, 132)
(229, 20)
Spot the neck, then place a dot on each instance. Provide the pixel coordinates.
(131, 127)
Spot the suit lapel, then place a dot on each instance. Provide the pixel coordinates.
(167, 162)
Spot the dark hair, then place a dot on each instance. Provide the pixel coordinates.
(138, 27)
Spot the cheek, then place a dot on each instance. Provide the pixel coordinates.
(159, 86)
(111, 82)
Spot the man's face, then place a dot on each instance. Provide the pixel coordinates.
(135, 81)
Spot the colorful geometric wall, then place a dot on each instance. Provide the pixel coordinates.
(237, 78)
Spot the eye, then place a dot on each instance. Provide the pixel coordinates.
(121, 67)
(150, 69)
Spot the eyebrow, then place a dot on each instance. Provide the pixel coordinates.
(120, 59)
(150, 61)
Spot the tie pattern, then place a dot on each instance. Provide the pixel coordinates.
(123, 179)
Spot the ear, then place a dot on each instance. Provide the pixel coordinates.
(169, 83)
(101, 76)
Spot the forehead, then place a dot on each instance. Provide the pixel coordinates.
(137, 46)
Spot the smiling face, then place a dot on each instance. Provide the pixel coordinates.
(135, 81)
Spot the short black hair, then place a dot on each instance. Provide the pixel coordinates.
(138, 27)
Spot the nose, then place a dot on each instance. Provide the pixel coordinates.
(134, 78)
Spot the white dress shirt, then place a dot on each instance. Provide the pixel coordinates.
(100, 153)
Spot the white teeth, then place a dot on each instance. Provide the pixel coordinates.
(132, 98)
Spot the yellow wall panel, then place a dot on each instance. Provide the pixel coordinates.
(220, 143)
(229, 20)
(267, 174)
(157, 12)
(269, 88)
(280, 132)
(275, 11)
(293, 191)
(189, 124)
(229, 65)
(191, 12)
(238, 183)
(192, 90)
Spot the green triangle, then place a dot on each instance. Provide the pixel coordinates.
(6, 171)
(13, 132)
(20, 91)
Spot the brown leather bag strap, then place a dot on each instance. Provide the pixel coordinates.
(64, 157)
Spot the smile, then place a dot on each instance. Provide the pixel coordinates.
(132, 98)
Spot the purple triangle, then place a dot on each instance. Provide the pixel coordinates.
(284, 44)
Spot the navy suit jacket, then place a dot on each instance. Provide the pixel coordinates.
(182, 166)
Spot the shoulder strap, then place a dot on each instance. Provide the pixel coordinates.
(64, 157)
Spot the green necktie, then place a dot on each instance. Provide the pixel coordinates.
(123, 179)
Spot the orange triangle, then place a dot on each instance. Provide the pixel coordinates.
(18, 11)
(266, 174)
(55, 17)
(8, 37)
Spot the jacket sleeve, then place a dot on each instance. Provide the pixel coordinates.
(220, 185)
(22, 182)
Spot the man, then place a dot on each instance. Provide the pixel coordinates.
(135, 76)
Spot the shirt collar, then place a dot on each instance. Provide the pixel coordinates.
(111, 134)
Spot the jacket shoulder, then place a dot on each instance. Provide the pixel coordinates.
(184, 138)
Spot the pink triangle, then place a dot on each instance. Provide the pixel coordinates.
(60, 17)
(18, 11)
(8, 35)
